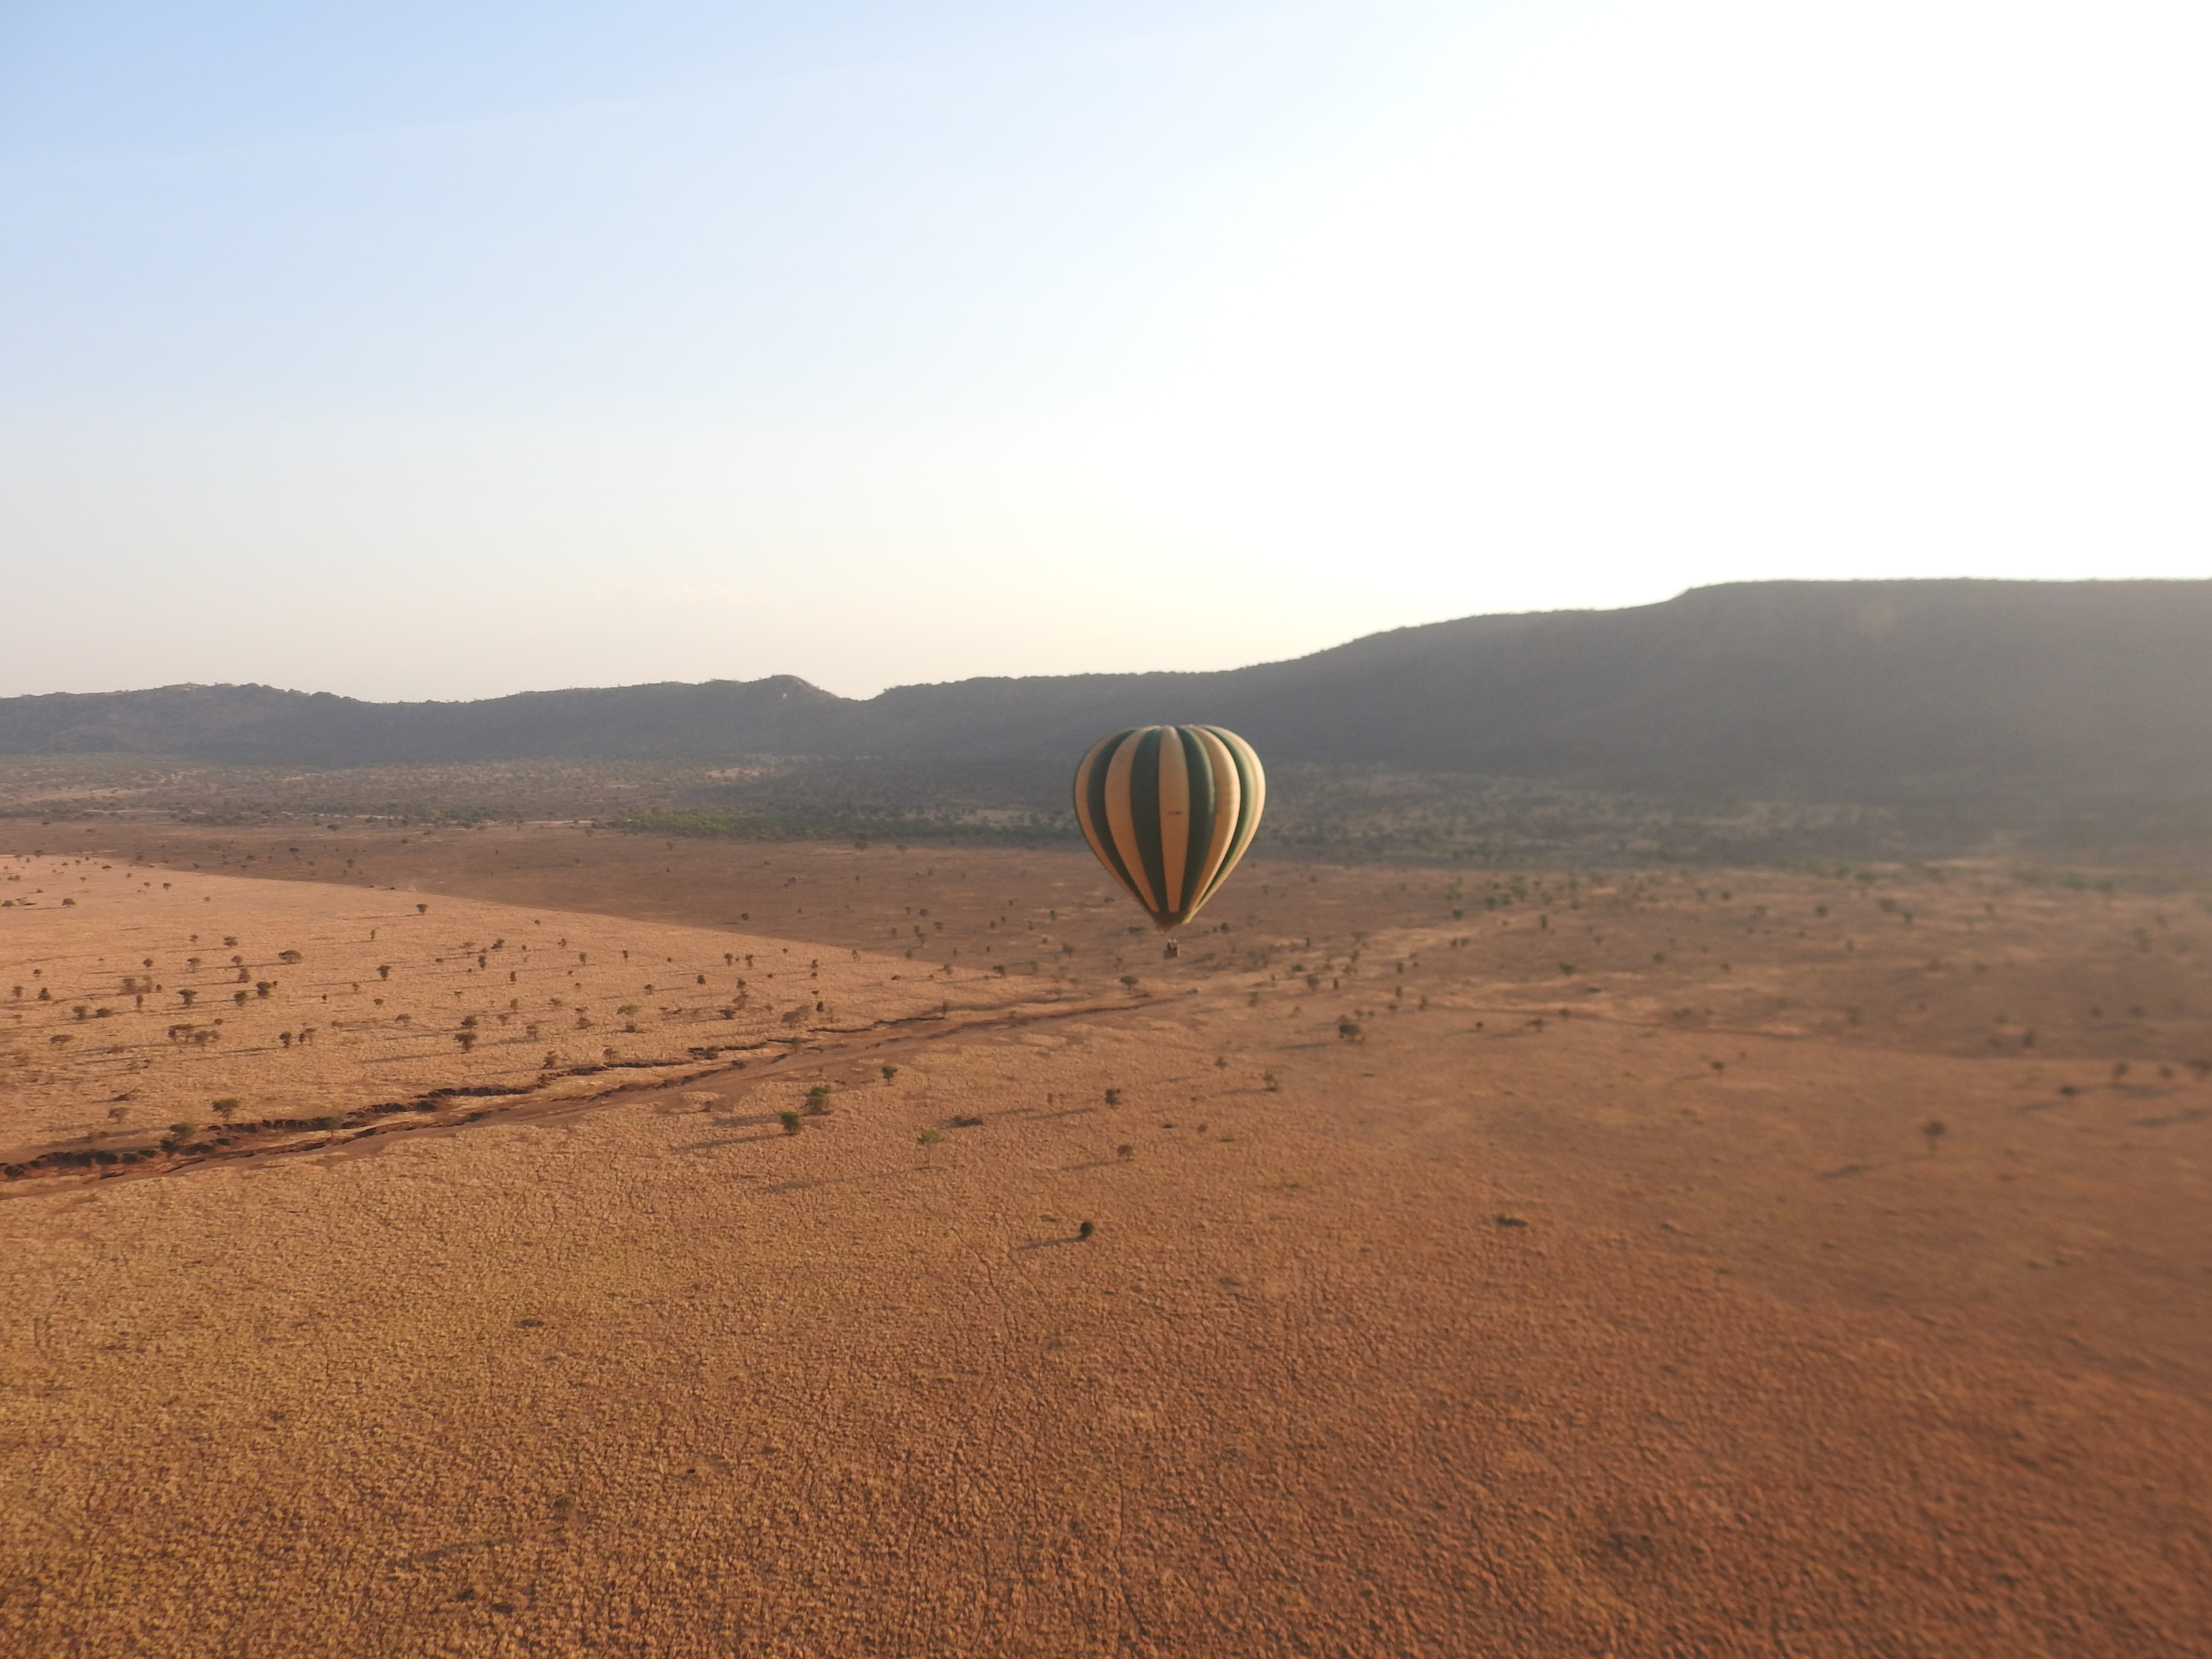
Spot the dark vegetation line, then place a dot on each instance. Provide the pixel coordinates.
(433, 1109)
(861, 828)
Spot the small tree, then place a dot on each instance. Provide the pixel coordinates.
(1934, 1130)
(1085, 1229)
(1113, 1096)
(818, 1100)
(889, 1072)
(225, 1108)
(790, 1122)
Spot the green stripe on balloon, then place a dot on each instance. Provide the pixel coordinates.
(1203, 800)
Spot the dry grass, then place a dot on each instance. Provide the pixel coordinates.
(137, 1000)
(1646, 1327)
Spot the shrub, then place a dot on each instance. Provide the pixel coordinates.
(1086, 1229)
(790, 1122)
(817, 1100)
(889, 1072)
(224, 1107)
(1934, 1130)
(1113, 1096)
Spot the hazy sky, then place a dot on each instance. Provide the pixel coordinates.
(417, 349)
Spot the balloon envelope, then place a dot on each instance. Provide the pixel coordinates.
(1169, 810)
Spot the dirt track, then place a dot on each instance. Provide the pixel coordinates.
(1653, 1326)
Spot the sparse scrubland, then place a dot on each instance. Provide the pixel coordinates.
(1372, 812)
(1604, 1260)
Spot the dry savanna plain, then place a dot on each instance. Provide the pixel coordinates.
(529, 1240)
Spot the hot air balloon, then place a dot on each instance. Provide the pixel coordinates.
(1169, 809)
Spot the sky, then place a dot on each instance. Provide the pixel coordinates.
(445, 351)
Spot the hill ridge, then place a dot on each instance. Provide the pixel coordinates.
(1833, 689)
